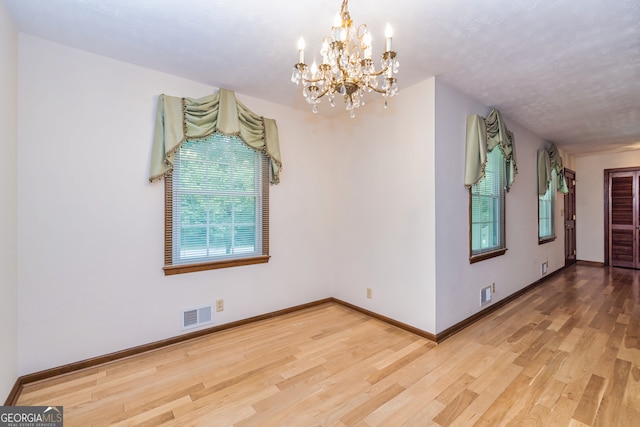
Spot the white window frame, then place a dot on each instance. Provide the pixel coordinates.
(487, 237)
(546, 212)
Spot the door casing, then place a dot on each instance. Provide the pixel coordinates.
(570, 218)
(607, 208)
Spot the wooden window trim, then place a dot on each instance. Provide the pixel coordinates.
(551, 238)
(546, 239)
(473, 258)
(542, 241)
(190, 268)
(171, 269)
(486, 255)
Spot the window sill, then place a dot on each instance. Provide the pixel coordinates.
(542, 241)
(486, 255)
(191, 268)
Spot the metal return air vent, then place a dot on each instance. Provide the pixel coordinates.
(194, 317)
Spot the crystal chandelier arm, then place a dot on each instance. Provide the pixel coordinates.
(314, 80)
(376, 89)
(344, 12)
(390, 82)
(378, 73)
(324, 92)
(343, 71)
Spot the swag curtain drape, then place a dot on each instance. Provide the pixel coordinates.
(549, 160)
(483, 135)
(180, 119)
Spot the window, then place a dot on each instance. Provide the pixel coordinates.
(216, 206)
(487, 210)
(546, 210)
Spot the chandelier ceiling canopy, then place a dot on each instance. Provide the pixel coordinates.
(347, 67)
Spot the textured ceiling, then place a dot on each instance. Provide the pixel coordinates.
(568, 70)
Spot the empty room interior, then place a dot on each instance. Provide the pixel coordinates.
(439, 224)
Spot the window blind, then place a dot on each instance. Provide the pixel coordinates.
(487, 206)
(546, 209)
(217, 200)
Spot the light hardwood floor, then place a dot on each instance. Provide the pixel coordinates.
(565, 354)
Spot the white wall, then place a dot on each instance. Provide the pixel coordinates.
(402, 225)
(385, 217)
(375, 202)
(8, 207)
(590, 200)
(90, 229)
(458, 282)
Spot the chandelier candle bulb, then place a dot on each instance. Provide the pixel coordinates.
(366, 40)
(388, 32)
(337, 24)
(301, 50)
(325, 51)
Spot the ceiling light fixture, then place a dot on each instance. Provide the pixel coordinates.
(347, 68)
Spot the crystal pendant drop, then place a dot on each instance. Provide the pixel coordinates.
(315, 108)
(385, 104)
(352, 114)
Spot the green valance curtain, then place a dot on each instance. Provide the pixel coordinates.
(549, 160)
(180, 119)
(483, 135)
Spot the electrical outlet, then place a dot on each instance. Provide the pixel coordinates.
(545, 266)
(493, 287)
(369, 293)
(220, 305)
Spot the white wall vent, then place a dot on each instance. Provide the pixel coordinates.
(197, 316)
(485, 296)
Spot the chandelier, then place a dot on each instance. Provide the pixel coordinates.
(347, 68)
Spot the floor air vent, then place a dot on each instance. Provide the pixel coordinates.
(194, 317)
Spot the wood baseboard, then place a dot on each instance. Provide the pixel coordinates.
(437, 338)
(14, 393)
(409, 328)
(95, 361)
(479, 315)
(590, 263)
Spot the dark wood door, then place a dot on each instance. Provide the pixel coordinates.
(623, 219)
(570, 218)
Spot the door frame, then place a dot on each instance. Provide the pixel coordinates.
(569, 259)
(607, 175)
